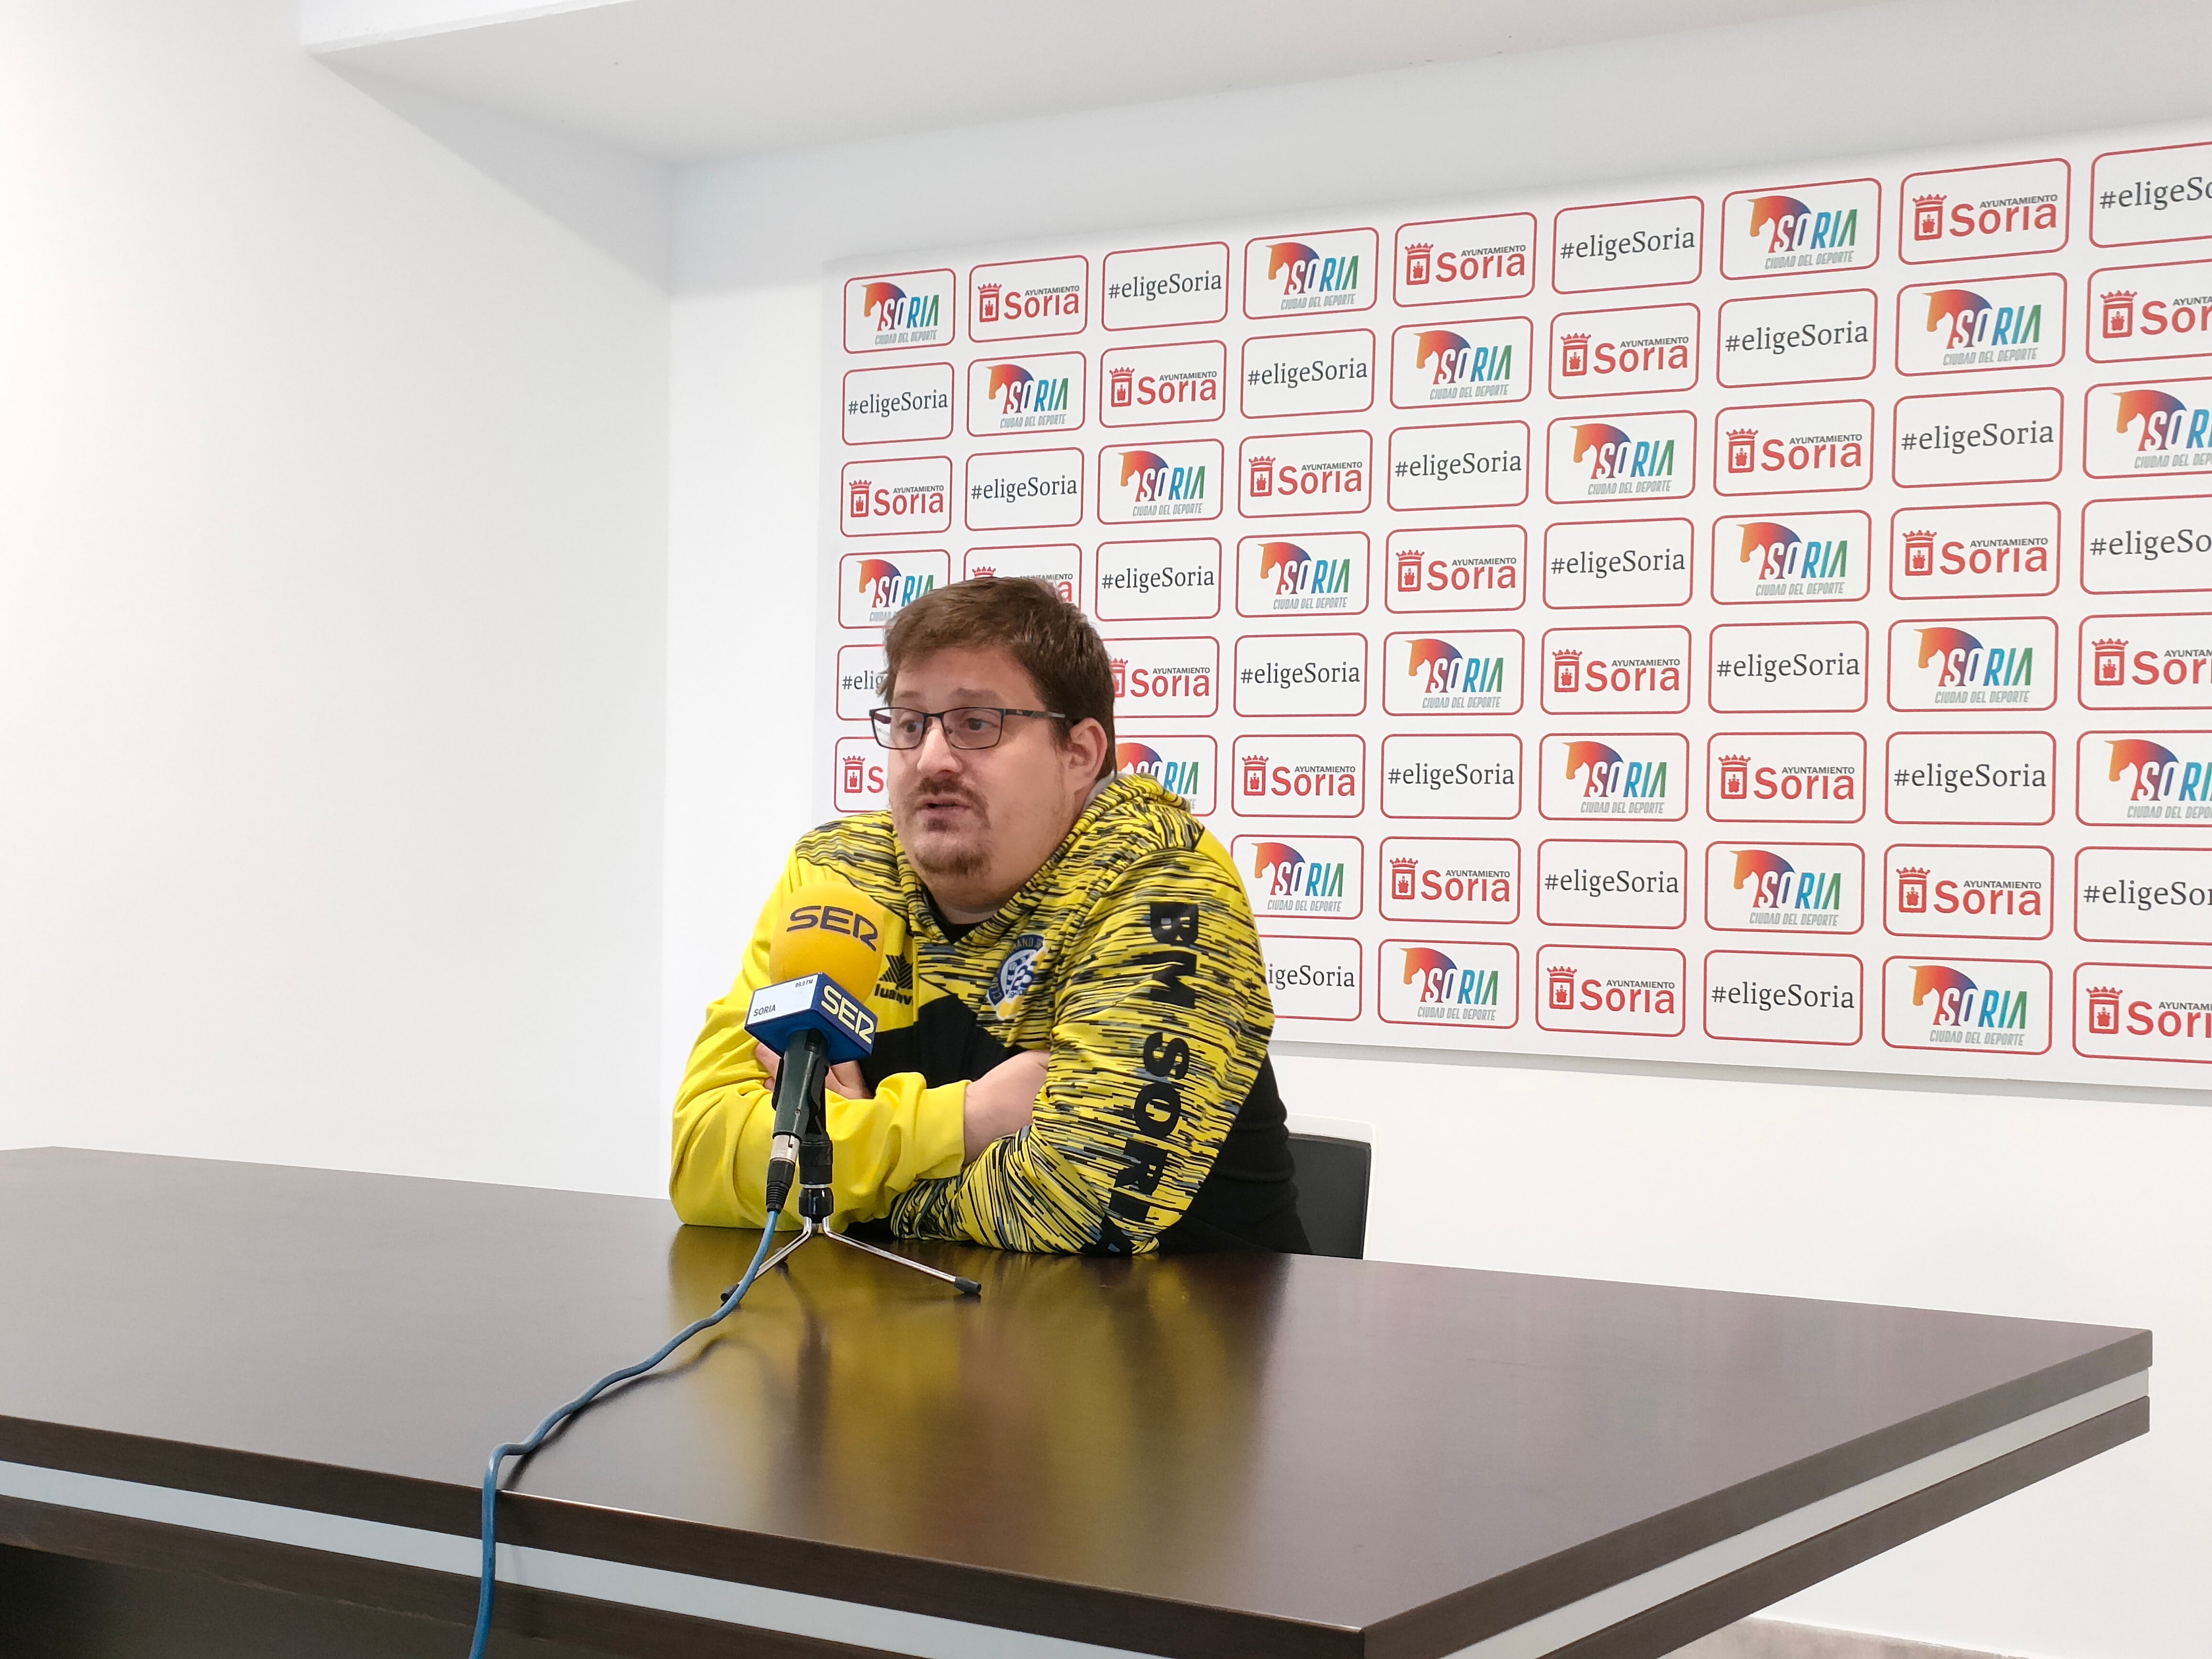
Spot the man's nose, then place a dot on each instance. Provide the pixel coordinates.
(935, 754)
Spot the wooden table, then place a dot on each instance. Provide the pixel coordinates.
(290, 1378)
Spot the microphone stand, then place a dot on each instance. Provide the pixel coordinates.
(816, 1201)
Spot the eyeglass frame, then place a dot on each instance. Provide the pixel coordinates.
(879, 725)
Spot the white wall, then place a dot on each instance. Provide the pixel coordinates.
(332, 520)
(2029, 1203)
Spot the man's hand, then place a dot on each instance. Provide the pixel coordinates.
(1000, 1101)
(844, 1076)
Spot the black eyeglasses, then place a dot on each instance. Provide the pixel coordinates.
(964, 728)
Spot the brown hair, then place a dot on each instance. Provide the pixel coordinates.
(1052, 639)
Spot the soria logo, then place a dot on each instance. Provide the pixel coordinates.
(1978, 437)
(1980, 213)
(1181, 765)
(1451, 776)
(1806, 555)
(1628, 992)
(1972, 892)
(1994, 662)
(910, 403)
(1449, 982)
(1162, 481)
(1322, 571)
(2147, 662)
(1466, 363)
(873, 587)
(1470, 881)
(2151, 311)
(1318, 776)
(905, 308)
(1603, 354)
(1622, 455)
(1466, 261)
(1163, 676)
(2005, 322)
(1325, 270)
(1058, 565)
(1475, 567)
(1967, 777)
(2145, 778)
(1786, 777)
(1163, 385)
(1028, 297)
(1965, 552)
(856, 774)
(1630, 671)
(2135, 430)
(1794, 448)
(1310, 876)
(1312, 473)
(1966, 1003)
(1772, 887)
(1825, 227)
(1452, 674)
(2159, 896)
(2134, 1011)
(1027, 394)
(1618, 775)
(895, 497)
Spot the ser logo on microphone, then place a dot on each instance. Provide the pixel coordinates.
(833, 919)
(846, 1011)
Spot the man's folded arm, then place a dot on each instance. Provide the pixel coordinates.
(725, 1114)
(1160, 1028)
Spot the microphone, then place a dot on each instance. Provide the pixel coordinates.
(824, 948)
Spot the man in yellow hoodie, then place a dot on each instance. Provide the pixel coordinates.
(1072, 1014)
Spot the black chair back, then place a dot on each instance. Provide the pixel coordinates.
(1332, 1177)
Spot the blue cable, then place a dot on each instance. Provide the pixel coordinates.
(537, 1437)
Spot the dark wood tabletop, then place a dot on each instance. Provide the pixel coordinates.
(1204, 1456)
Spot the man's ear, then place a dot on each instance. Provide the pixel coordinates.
(1086, 747)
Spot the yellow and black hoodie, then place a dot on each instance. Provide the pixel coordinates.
(1131, 955)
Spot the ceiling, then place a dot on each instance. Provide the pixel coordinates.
(684, 81)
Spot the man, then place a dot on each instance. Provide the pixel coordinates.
(1071, 1046)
